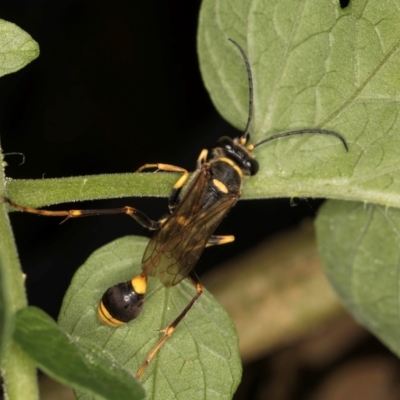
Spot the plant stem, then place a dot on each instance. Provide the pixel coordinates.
(18, 370)
(19, 374)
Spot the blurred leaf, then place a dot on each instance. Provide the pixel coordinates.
(71, 361)
(17, 48)
(200, 360)
(283, 276)
(359, 246)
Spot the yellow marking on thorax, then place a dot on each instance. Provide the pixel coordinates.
(232, 164)
(139, 283)
(220, 185)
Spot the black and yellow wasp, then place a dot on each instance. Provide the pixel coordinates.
(180, 239)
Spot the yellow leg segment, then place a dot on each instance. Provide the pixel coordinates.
(169, 330)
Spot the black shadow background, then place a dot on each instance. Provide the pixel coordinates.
(117, 85)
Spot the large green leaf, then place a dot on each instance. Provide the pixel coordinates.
(199, 361)
(317, 65)
(314, 65)
(360, 249)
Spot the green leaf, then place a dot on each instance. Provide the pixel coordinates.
(317, 65)
(70, 360)
(17, 48)
(200, 360)
(360, 249)
(314, 65)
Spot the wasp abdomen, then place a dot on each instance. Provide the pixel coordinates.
(123, 302)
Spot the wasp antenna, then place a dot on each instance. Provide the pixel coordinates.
(304, 131)
(250, 79)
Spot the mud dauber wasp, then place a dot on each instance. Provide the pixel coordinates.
(180, 238)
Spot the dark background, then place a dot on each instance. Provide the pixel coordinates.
(117, 85)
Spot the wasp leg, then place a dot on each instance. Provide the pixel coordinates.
(137, 215)
(168, 331)
(176, 189)
(217, 240)
(202, 158)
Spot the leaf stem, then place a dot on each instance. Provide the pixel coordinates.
(17, 368)
(19, 374)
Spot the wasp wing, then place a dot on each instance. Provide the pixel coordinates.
(190, 204)
(175, 249)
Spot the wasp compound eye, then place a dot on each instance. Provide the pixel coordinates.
(120, 304)
(253, 166)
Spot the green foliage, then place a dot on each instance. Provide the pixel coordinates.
(359, 246)
(17, 48)
(314, 65)
(199, 360)
(70, 360)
